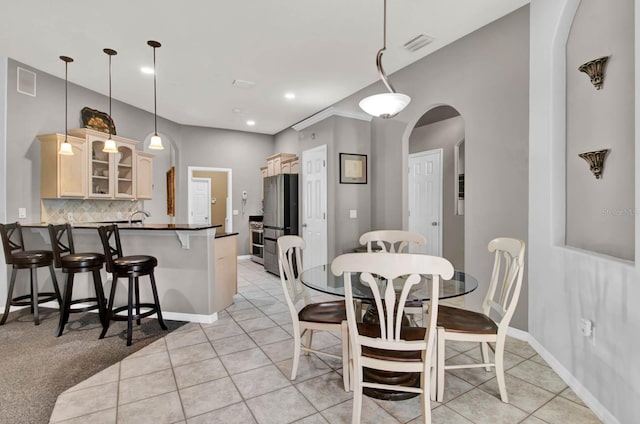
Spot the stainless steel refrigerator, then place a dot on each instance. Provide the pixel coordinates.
(280, 215)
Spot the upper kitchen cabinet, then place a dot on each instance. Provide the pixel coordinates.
(274, 163)
(61, 175)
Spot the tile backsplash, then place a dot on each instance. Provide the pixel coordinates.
(56, 211)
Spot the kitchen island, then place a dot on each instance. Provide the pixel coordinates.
(196, 274)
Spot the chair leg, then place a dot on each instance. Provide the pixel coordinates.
(345, 355)
(65, 305)
(426, 394)
(108, 312)
(309, 340)
(54, 281)
(136, 284)
(357, 394)
(9, 296)
(97, 284)
(34, 296)
(156, 300)
(296, 351)
(484, 350)
(499, 361)
(440, 361)
(130, 311)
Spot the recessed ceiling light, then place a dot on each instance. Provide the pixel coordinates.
(251, 123)
(146, 70)
(290, 96)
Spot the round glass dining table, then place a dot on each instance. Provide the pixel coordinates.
(322, 279)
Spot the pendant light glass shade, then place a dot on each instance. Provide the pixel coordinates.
(385, 105)
(156, 141)
(65, 147)
(110, 144)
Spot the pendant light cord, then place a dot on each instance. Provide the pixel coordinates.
(110, 94)
(383, 75)
(66, 76)
(155, 96)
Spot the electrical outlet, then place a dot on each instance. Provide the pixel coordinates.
(69, 216)
(119, 215)
(235, 212)
(586, 327)
(22, 212)
(353, 213)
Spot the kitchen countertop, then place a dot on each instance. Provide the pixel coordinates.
(139, 226)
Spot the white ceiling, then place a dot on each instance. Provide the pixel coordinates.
(322, 50)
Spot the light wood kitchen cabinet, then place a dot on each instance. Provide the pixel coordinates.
(144, 175)
(274, 163)
(226, 270)
(290, 165)
(60, 175)
(263, 172)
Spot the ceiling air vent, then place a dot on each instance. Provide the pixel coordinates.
(26, 82)
(243, 83)
(418, 42)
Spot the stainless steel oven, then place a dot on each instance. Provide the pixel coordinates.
(256, 239)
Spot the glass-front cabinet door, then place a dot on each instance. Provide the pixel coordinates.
(100, 170)
(125, 171)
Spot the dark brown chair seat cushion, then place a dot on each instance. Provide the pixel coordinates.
(82, 260)
(134, 263)
(324, 312)
(463, 321)
(32, 257)
(406, 333)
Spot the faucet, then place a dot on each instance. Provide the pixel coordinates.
(145, 213)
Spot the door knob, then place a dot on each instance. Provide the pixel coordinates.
(304, 225)
(434, 223)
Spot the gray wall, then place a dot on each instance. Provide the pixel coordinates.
(445, 134)
(342, 135)
(244, 153)
(485, 77)
(568, 284)
(600, 213)
(286, 141)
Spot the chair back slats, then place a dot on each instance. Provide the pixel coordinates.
(290, 263)
(11, 240)
(382, 269)
(59, 245)
(506, 279)
(110, 238)
(392, 241)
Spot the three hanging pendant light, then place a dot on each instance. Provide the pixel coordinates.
(110, 144)
(156, 141)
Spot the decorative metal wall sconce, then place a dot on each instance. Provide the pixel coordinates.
(595, 70)
(595, 161)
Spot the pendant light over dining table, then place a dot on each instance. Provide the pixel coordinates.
(156, 141)
(110, 144)
(385, 105)
(65, 147)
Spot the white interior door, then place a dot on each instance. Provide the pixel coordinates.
(425, 199)
(200, 201)
(314, 206)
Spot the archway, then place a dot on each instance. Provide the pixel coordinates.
(441, 128)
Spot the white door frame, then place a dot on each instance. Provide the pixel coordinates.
(228, 226)
(324, 148)
(440, 151)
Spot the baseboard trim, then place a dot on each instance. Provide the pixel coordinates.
(583, 393)
(244, 257)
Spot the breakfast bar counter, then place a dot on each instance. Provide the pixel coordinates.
(196, 274)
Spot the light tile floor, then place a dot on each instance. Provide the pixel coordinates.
(236, 371)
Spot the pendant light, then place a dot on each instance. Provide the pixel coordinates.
(110, 144)
(156, 141)
(65, 147)
(385, 105)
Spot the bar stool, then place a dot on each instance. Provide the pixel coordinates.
(71, 264)
(131, 267)
(19, 258)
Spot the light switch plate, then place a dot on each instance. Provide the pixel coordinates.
(235, 212)
(22, 212)
(353, 213)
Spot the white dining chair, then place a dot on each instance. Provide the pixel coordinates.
(323, 316)
(389, 346)
(397, 241)
(469, 326)
(392, 241)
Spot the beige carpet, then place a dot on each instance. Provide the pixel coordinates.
(36, 366)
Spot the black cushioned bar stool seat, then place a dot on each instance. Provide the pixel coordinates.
(19, 258)
(73, 263)
(130, 267)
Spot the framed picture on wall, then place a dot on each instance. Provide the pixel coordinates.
(171, 191)
(353, 168)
